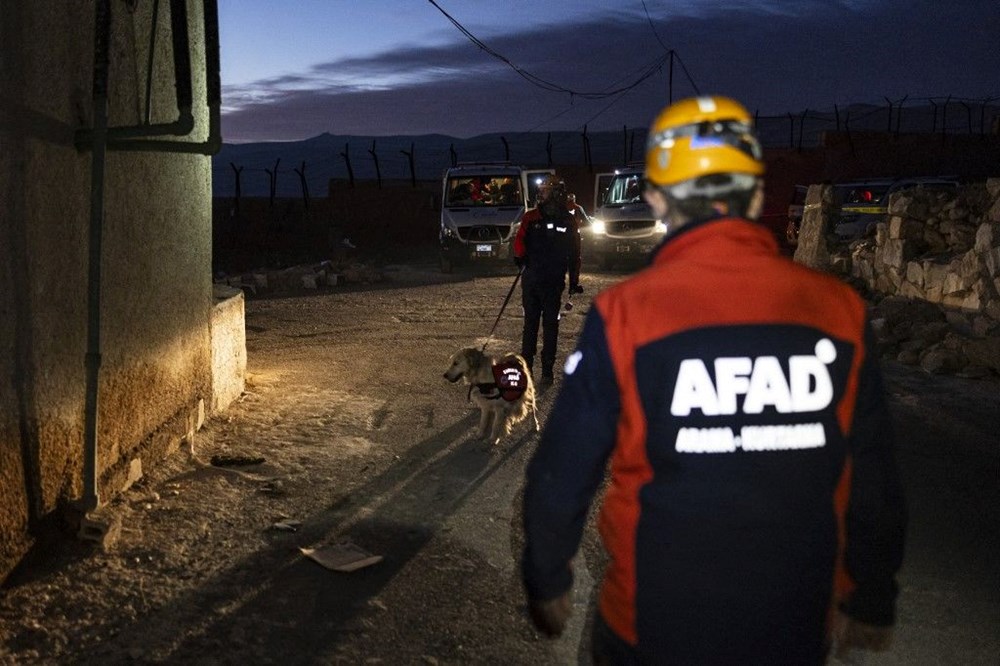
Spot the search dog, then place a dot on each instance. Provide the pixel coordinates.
(501, 387)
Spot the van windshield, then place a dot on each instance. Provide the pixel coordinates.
(501, 190)
(624, 189)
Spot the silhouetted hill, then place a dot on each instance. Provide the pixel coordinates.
(323, 156)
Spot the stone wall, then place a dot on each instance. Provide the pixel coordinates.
(931, 270)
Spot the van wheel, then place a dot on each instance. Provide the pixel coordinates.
(607, 262)
(447, 266)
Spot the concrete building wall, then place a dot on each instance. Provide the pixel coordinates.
(156, 293)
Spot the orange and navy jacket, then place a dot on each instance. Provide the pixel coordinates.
(550, 247)
(752, 483)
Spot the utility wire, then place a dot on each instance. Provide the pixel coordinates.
(653, 27)
(544, 84)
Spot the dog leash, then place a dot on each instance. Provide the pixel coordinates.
(510, 292)
(503, 307)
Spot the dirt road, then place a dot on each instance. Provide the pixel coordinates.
(365, 442)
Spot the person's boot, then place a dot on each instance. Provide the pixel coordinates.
(547, 376)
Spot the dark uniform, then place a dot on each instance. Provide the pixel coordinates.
(548, 247)
(753, 486)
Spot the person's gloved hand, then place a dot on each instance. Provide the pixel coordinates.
(550, 616)
(850, 634)
(576, 289)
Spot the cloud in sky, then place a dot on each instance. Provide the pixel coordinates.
(775, 57)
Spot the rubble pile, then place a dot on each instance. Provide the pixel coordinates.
(932, 271)
(301, 277)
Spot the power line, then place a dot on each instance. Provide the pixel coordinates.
(544, 84)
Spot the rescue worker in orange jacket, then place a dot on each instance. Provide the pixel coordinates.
(546, 248)
(754, 513)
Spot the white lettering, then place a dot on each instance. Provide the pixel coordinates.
(808, 387)
(694, 389)
(768, 386)
(705, 440)
(751, 438)
(730, 380)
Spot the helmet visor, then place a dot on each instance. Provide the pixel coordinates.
(713, 134)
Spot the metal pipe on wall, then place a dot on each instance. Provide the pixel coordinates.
(184, 123)
(99, 140)
(213, 99)
(102, 38)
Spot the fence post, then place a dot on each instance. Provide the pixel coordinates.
(888, 129)
(548, 148)
(305, 185)
(413, 172)
(454, 155)
(506, 149)
(899, 113)
(273, 175)
(347, 158)
(802, 124)
(378, 171)
(237, 172)
(586, 150)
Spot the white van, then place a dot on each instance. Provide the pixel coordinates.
(481, 208)
(622, 227)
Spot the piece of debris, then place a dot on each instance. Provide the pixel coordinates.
(235, 461)
(287, 525)
(343, 556)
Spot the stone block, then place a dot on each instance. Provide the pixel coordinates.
(942, 361)
(905, 228)
(260, 280)
(935, 241)
(993, 187)
(309, 282)
(994, 214)
(134, 473)
(984, 351)
(915, 273)
(991, 260)
(952, 284)
(970, 267)
(933, 294)
(910, 290)
(102, 530)
(881, 233)
(895, 253)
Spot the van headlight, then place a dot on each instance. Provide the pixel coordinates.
(660, 227)
(597, 227)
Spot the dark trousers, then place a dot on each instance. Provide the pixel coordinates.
(607, 649)
(541, 301)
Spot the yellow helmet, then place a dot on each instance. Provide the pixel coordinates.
(700, 136)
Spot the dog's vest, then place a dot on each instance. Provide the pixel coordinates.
(509, 383)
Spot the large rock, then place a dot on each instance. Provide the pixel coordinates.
(983, 351)
(812, 249)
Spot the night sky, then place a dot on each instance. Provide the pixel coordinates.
(401, 67)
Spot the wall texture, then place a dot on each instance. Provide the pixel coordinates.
(156, 292)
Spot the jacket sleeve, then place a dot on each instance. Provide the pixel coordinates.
(876, 512)
(520, 248)
(568, 465)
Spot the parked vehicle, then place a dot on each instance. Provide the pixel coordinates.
(622, 227)
(481, 209)
(865, 204)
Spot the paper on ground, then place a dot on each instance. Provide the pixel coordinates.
(344, 556)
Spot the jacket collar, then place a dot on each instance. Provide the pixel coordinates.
(749, 237)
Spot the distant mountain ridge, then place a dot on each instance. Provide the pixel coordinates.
(322, 158)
